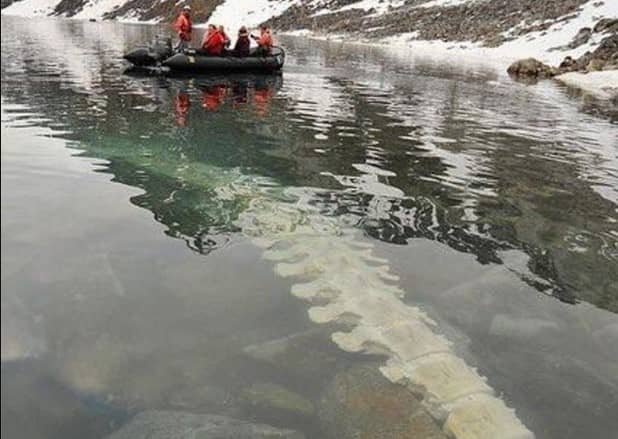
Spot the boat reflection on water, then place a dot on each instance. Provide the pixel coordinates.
(182, 103)
(238, 92)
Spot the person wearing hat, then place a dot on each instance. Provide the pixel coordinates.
(184, 27)
(242, 43)
(264, 41)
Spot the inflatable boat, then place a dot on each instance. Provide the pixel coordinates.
(160, 56)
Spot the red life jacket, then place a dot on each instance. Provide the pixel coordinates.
(184, 27)
(265, 40)
(213, 43)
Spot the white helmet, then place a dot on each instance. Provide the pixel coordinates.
(186, 8)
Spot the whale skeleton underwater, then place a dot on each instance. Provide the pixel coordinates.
(345, 282)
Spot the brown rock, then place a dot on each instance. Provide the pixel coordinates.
(595, 64)
(531, 67)
(361, 403)
(608, 48)
(568, 64)
(606, 25)
(582, 37)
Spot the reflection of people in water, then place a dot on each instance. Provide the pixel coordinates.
(182, 103)
(239, 94)
(213, 96)
(262, 96)
(256, 92)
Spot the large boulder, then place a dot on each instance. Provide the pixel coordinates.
(165, 424)
(569, 64)
(531, 67)
(595, 65)
(275, 398)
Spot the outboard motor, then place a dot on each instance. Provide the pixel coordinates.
(160, 49)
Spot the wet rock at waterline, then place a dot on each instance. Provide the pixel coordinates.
(273, 397)
(361, 403)
(161, 424)
(531, 67)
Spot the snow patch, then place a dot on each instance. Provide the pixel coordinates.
(97, 8)
(234, 14)
(601, 84)
(443, 3)
(31, 8)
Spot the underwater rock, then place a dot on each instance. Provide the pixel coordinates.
(269, 396)
(198, 397)
(309, 355)
(30, 388)
(361, 403)
(164, 424)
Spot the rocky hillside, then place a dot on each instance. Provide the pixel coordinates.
(525, 27)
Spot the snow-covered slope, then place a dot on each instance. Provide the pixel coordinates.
(495, 29)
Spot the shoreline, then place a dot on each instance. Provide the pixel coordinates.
(602, 84)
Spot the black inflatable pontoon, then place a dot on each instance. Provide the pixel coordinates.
(160, 54)
(192, 61)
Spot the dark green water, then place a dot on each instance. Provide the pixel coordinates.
(495, 202)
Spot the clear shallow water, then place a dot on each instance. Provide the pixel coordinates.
(495, 203)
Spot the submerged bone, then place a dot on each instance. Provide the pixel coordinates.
(445, 378)
(338, 269)
(484, 417)
(315, 290)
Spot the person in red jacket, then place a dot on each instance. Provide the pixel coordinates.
(213, 42)
(264, 41)
(183, 27)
